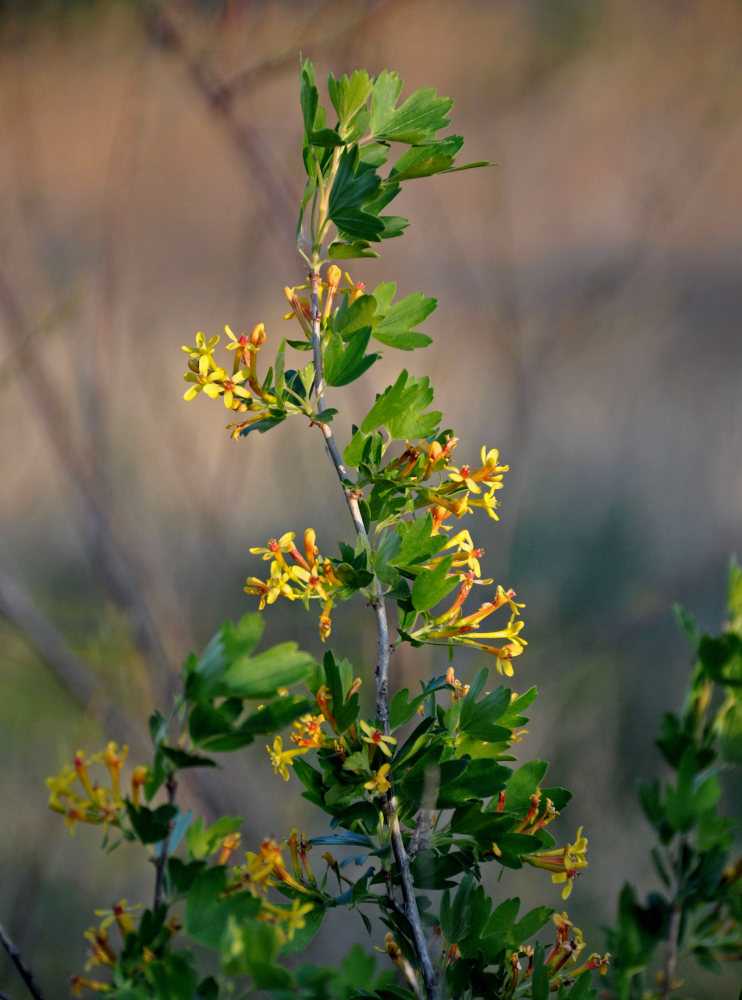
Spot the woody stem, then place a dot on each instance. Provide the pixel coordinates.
(382, 667)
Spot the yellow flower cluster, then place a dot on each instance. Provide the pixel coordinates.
(561, 962)
(240, 390)
(308, 576)
(101, 950)
(82, 800)
(265, 869)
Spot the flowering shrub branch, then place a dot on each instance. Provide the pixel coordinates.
(427, 793)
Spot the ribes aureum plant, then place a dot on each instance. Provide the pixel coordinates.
(425, 798)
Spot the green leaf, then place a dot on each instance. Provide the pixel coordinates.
(402, 710)
(345, 364)
(432, 585)
(303, 935)
(151, 825)
(261, 676)
(394, 225)
(540, 986)
(355, 317)
(207, 911)
(418, 119)
(345, 251)
(396, 327)
(349, 96)
(400, 409)
(309, 97)
(351, 189)
(523, 783)
(250, 947)
(426, 159)
(203, 673)
(419, 544)
(183, 759)
(353, 452)
(202, 841)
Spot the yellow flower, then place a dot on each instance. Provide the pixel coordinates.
(275, 546)
(281, 759)
(210, 383)
(120, 913)
(203, 352)
(379, 783)
(564, 863)
(376, 738)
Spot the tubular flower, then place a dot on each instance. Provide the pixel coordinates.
(275, 547)
(114, 759)
(208, 382)
(93, 802)
(80, 983)
(281, 759)
(379, 783)
(229, 843)
(203, 353)
(376, 738)
(565, 863)
(355, 289)
(334, 276)
(299, 309)
(311, 576)
(459, 690)
(309, 732)
(120, 914)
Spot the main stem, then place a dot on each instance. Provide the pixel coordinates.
(399, 851)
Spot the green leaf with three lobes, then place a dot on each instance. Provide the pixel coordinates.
(208, 911)
(203, 841)
(432, 585)
(349, 96)
(353, 187)
(417, 120)
(400, 409)
(345, 364)
(398, 320)
(426, 159)
(419, 544)
(227, 670)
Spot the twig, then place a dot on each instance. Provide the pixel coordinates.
(401, 858)
(23, 970)
(161, 860)
(671, 953)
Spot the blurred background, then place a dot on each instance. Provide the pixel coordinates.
(590, 302)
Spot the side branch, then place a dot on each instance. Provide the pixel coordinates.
(23, 970)
(399, 851)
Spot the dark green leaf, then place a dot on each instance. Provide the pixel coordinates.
(345, 364)
(351, 189)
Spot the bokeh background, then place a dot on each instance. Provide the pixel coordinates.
(590, 305)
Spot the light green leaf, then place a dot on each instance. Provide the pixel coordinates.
(432, 585)
(396, 328)
(346, 251)
(349, 96)
(426, 159)
(400, 408)
(415, 121)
